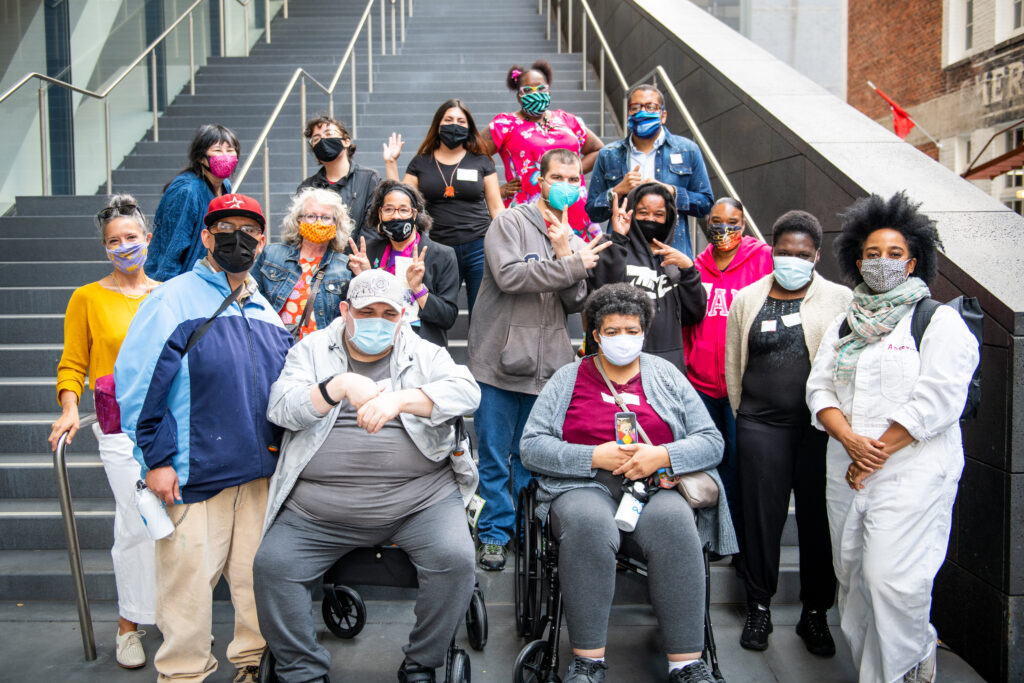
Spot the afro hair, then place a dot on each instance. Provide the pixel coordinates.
(619, 298)
(799, 222)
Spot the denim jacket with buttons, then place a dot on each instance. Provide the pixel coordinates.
(277, 270)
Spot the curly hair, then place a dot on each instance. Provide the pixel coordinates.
(290, 224)
(618, 298)
(799, 222)
(322, 119)
(540, 66)
(116, 201)
(900, 213)
(386, 187)
(654, 187)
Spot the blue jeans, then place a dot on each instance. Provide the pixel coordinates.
(470, 257)
(499, 423)
(725, 421)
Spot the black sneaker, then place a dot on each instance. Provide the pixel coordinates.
(491, 557)
(411, 672)
(813, 628)
(694, 673)
(757, 627)
(584, 670)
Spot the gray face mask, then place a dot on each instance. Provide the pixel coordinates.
(883, 274)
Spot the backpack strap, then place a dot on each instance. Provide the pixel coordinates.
(198, 333)
(923, 313)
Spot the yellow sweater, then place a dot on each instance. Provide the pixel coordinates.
(94, 326)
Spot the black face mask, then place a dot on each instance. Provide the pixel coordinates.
(398, 229)
(453, 135)
(328, 149)
(653, 230)
(235, 251)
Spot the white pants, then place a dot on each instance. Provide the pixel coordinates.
(132, 553)
(888, 542)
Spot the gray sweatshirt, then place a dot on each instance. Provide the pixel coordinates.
(518, 336)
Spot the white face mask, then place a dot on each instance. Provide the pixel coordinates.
(622, 349)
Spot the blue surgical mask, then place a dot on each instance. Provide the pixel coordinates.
(622, 349)
(372, 335)
(792, 272)
(645, 124)
(563, 195)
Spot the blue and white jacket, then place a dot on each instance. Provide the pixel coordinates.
(204, 414)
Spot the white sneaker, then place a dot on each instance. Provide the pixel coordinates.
(924, 671)
(130, 654)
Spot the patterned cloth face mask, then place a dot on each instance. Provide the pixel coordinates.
(725, 237)
(883, 274)
(318, 232)
(535, 102)
(128, 258)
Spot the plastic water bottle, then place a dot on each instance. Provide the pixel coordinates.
(154, 515)
(630, 506)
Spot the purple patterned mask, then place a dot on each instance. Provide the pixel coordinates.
(128, 258)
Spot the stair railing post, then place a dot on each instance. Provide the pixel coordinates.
(601, 91)
(266, 20)
(568, 33)
(44, 146)
(106, 144)
(369, 52)
(383, 31)
(402, 13)
(410, 9)
(583, 46)
(156, 112)
(266, 185)
(223, 39)
(354, 135)
(540, 6)
(392, 27)
(330, 104)
(547, 23)
(558, 25)
(245, 27)
(285, 9)
(192, 56)
(302, 122)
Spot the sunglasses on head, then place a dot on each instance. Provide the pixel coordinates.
(126, 209)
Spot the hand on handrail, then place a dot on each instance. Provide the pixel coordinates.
(68, 423)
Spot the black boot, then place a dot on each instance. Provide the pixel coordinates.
(813, 628)
(757, 627)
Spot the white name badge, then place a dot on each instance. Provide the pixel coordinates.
(768, 325)
(627, 398)
(469, 175)
(791, 319)
(675, 158)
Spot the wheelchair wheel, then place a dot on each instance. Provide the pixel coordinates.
(539, 589)
(344, 611)
(458, 666)
(476, 621)
(267, 662)
(530, 666)
(521, 586)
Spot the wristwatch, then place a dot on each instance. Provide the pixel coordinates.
(323, 391)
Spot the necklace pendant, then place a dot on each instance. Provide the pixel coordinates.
(449, 191)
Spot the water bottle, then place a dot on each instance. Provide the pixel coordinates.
(154, 515)
(632, 503)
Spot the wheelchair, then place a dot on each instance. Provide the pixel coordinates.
(538, 598)
(344, 611)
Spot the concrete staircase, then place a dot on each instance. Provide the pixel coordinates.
(49, 246)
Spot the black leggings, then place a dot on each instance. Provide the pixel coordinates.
(772, 462)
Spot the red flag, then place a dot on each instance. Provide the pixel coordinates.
(901, 121)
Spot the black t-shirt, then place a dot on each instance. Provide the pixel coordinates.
(464, 217)
(775, 380)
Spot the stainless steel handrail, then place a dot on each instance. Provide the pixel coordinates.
(657, 71)
(67, 513)
(301, 75)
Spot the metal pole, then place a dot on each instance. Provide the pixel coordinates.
(558, 25)
(302, 122)
(568, 33)
(266, 20)
(402, 14)
(354, 135)
(266, 186)
(245, 26)
(330, 105)
(369, 51)
(223, 51)
(410, 9)
(106, 141)
(601, 91)
(383, 31)
(44, 147)
(74, 550)
(392, 27)
(547, 23)
(540, 6)
(191, 56)
(583, 47)
(156, 112)
(285, 9)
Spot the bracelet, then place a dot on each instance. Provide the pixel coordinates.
(421, 293)
(323, 391)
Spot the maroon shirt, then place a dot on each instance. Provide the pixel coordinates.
(590, 419)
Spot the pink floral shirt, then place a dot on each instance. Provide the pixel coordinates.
(522, 143)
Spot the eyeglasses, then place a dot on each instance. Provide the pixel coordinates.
(124, 209)
(650, 108)
(317, 218)
(401, 212)
(528, 89)
(317, 138)
(225, 227)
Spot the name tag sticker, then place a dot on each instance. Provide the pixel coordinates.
(469, 175)
(675, 158)
(768, 325)
(791, 319)
(627, 398)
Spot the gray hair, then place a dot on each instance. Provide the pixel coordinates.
(290, 224)
(116, 201)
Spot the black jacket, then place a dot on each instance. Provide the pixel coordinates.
(355, 189)
(441, 278)
(678, 296)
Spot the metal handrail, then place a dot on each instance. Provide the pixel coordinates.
(655, 72)
(67, 513)
(301, 75)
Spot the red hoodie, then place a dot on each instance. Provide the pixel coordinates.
(705, 341)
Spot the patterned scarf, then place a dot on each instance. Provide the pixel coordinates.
(871, 317)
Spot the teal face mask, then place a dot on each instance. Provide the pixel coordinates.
(563, 195)
(535, 102)
(372, 335)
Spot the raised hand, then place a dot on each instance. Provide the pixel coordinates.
(393, 148)
(620, 217)
(414, 273)
(558, 232)
(358, 261)
(671, 255)
(590, 250)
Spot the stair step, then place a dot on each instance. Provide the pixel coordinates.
(31, 475)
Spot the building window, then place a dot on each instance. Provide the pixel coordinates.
(969, 25)
(1018, 13)
(1014, 139)
(1017, 205)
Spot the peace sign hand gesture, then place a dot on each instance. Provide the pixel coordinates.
(558, 232)
(671, 255)
(620, 217)
(414, 273)
(358, 261)
(590, 251)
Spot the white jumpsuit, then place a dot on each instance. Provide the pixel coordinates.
(890, 538)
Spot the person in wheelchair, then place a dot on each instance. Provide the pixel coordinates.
(369, 457)
(569, 442)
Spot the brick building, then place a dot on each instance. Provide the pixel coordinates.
(957, 66)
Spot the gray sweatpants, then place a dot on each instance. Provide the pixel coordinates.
(296, 552)
(583, 521)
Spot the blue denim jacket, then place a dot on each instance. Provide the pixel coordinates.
(277, 270)
(687, 174)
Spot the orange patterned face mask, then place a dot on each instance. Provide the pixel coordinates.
(318, 233)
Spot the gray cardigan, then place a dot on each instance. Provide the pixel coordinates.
(698, 445)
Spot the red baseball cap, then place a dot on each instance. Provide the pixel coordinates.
(234, 205)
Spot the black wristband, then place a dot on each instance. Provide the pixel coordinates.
(323, 392)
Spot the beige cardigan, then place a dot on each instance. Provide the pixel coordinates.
(822, 304)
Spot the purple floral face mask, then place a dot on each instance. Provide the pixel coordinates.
(128, 258)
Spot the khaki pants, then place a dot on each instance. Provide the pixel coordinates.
(217, 536)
